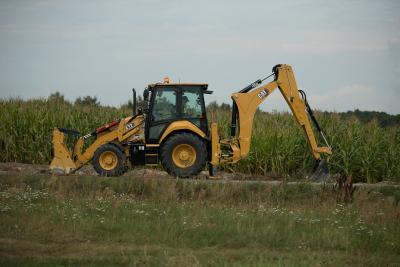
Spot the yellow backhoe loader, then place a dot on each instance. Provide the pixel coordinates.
(173, 129)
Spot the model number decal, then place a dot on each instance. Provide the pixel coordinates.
(262, 94)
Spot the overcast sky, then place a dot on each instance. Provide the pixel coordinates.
(345, 54)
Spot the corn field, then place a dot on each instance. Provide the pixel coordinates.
(364, 151)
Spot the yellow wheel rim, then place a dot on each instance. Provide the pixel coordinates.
(108, 160)
(184, 155)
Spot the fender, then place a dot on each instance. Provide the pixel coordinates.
(181, 125)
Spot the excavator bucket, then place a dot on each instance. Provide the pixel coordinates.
(321, 172)
(62, 162)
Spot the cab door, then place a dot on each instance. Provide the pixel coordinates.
(163, 110)
(192, 107)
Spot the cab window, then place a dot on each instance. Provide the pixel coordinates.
(191, 104)
(164, 106)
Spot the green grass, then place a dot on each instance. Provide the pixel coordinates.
(127, 221)
(365, 152)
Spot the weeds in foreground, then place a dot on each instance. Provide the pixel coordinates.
(344, 188)
(104, 222)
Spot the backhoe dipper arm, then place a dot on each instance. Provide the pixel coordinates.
(247, 101)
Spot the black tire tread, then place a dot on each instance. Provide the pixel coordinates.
(118, 170)
(180, 138)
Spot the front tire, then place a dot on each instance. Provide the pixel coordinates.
(109, 160)
(183, 155)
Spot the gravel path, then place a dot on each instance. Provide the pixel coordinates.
(223, 177)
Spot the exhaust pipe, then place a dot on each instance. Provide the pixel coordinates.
(134, 102)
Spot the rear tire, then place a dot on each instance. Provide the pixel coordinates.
(183, 155)
(109, 160)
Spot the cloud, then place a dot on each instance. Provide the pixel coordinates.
(338, 41)
(98, 45)
(356, 96)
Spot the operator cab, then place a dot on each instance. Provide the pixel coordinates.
(170, 102)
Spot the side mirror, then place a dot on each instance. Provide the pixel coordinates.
(146, 94)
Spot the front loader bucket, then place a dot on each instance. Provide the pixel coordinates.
(321, 172)
(62, 162)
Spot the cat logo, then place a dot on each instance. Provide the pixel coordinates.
(262, 94)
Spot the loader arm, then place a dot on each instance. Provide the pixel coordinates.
(245, 104)
(67, 161)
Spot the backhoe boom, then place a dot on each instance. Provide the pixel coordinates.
(245, 106)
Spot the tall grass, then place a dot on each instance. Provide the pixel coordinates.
(366, 152)
(26, 126)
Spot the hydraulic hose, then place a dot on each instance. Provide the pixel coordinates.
(314, 120)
